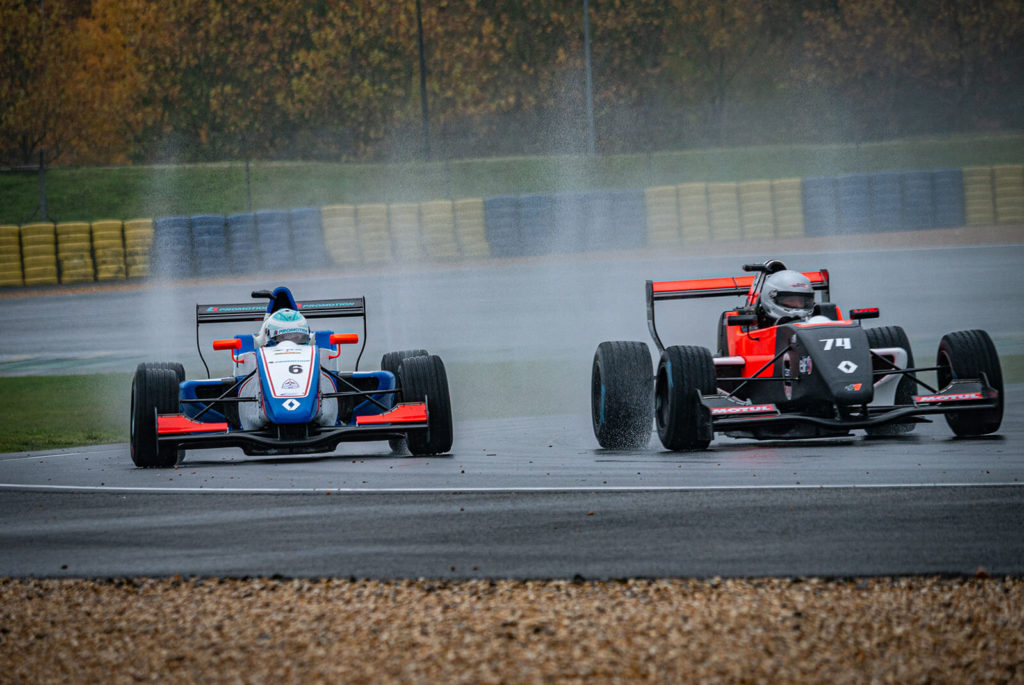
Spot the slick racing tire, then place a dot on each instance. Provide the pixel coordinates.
(684, 374)
(390, 362)
(154, 391)
(176, 367)
(622, 395)
(421, 377)
(894, 336)
(971, 354)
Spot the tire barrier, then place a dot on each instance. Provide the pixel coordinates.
(662, 206)
(501, 225)
(1008, 182)
(628, 226)
(724, 211)
(918, 200)
(853, 211)
(341, 239)
(39, 254)
(138, 242)
(437, 219)
(210, 256)
(533, 224)
(694, 215)
(274, 240)
(172, 247)
(541, 223)
(74, 252)
(374, 235)
(571, 216)
(979, 196)
(788, 207)
(470, 228)
(404, 226)
(108, 250)
(10, 257)
(308, 237)
(538, 232)
(756, 217)
(820, 206)
(886, 201)
(948, 198)
(243, 243)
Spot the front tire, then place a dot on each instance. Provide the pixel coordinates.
(390, 362)
(971, 354)
(684, 374)
(894, 336)
(154, 391)
(425, 377)
(622, 395)
(176, 367)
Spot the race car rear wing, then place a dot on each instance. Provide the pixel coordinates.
(715, 287)
(255, 311)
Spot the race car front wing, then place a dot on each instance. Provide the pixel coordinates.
(725, 412)
(182, 433)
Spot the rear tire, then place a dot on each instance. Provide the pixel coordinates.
(425, 377)
(971, 354)
(154, 391)
(684, 374)
(894, 336)
(622, 395)
(390, 362)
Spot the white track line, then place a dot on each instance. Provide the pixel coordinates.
(490, 490)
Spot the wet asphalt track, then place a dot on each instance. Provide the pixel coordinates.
(531, 495)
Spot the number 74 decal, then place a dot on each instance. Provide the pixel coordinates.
(838, 343)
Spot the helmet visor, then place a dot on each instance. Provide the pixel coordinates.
(795, 300)
(294, 336)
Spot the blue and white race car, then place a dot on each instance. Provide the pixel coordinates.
(283, 398)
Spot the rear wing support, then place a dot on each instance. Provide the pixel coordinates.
(715, 287)
(251, 311)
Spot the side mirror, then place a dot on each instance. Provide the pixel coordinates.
(344, 338)
(864, 313)
(227, 344)
(741, 320)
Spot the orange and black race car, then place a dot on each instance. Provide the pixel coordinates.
(789, 365)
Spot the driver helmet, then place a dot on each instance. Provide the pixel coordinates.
(787, 294)
(285, 325)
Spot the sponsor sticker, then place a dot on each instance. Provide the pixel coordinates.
(956, 397)
(806, 365)
(853, 387)
(747, 409)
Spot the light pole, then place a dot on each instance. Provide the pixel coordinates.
(42, 150)
(590, 84)
(423, 84)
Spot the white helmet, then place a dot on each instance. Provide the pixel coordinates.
(285, 325)
(787, 294)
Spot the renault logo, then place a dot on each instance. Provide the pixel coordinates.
(847, 367)
(290, 405)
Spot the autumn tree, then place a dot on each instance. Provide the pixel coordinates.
(38, 58)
